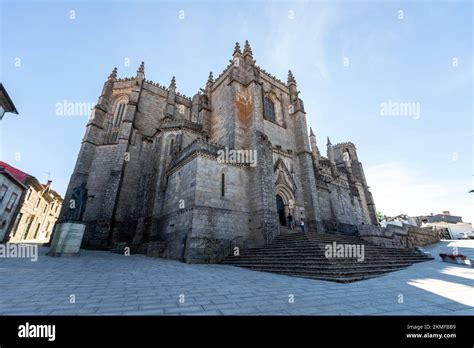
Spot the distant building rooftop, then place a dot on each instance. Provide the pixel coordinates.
(418, 220)
(452, 219)
(15, 172)
(27, 179)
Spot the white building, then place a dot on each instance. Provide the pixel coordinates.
(11, 190)
(458, 230)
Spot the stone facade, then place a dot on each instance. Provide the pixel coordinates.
(151, 162)
(11, 190)
(37, 212)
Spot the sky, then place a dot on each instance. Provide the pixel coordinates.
(395, 78)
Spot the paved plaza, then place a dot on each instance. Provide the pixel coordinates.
(103, 283)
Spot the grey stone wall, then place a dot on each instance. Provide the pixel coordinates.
(393, 236)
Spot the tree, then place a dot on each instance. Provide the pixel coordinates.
(380, 216)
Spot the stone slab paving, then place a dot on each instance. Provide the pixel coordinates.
(104, 283)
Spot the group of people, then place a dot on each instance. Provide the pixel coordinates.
(292, 223)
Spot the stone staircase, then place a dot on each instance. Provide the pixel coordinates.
(296, 254)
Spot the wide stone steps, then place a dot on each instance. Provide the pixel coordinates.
(313, 263)
(322, 242)
(327, 272)
(329, 276)
(309, 246)
(320, 262)
(329, 238)
(308, 251)
(330, 269)
(293, 253)
(319, 258)
(312, 251)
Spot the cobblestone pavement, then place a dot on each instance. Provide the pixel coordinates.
(109, 284)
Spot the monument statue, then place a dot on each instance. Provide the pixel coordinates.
(77, 204)
(68, 233)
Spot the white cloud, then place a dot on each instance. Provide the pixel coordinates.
(398, 189)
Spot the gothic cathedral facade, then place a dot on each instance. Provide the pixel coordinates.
(155, 183)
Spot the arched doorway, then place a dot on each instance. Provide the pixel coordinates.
(281, 210)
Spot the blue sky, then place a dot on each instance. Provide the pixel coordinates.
(348, 58)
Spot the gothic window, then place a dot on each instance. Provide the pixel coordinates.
(269, 109)
(222, 184)
(171, 147)
(119, 114)
(117, 121)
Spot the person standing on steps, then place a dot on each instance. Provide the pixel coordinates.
(302, 225)
(290, 221)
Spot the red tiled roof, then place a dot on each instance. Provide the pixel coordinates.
(17, 173)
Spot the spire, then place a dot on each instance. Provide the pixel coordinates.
(237, 48)
(314, 147)
(291, 78)
(113, 74)
(141, 71)
(107, 90)
(173, 83)
(141, 68)
(210, 80)
(330, 153)
(248, 49)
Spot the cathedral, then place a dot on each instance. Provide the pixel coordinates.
(157, 182)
